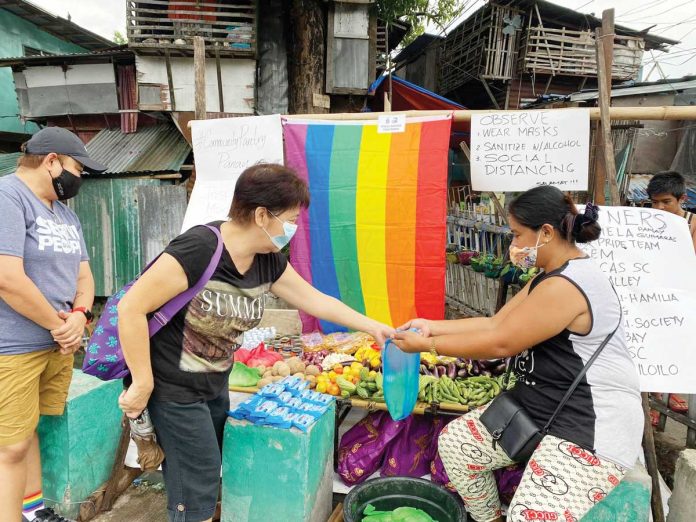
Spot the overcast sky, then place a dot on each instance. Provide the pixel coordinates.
(675, 19)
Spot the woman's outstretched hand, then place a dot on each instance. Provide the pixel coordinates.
(423, 325)
(382, 332)
(411, 342)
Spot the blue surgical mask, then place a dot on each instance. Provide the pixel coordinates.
(289, 230)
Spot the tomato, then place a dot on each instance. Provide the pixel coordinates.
(338, 368)
(322, 387)
(334, 389)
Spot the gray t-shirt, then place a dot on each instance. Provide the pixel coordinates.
(51, 244)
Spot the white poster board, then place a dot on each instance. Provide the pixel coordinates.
(649, 257)
(223, 149)
(513, 151)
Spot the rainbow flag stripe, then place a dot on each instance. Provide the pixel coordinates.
(32, 501)
(374, 235)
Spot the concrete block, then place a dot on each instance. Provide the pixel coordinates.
(78, 447)
(682, 503)
(627, 502)
(273, 474)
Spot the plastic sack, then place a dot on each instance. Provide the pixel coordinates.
(507, 480)
(401, 372)
(401, 514)
(259, 356)
(437, 468)
(362, 448)
(242, 375)
(414, 448)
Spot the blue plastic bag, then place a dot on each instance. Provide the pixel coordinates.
(401, 371)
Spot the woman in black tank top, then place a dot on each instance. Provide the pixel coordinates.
(564, 478)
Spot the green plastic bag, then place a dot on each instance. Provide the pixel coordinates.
(402, 514)
(242, 375)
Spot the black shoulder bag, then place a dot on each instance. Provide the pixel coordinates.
(513, 428)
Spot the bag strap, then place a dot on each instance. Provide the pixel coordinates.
(162, 316)
(582, 373)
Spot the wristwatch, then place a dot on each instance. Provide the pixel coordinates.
(87, 313)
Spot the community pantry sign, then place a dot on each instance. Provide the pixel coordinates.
(518, 150)
(649, 257)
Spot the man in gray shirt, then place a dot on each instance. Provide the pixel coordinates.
(46, 291)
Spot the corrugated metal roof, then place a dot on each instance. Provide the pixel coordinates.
(676, 85)
(151, 150)
(106, 55)
(638, 189)
(55, 25)
(8, 163)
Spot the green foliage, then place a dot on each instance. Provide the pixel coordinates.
(119, 39)
(418, 13)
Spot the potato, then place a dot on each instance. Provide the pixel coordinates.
(282, 369)
(276, 378)
(299, 375)
(267, 374)
(296, 365)
(311, 379)
(313, 370)
(263, 382)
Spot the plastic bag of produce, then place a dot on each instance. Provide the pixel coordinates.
(362, 448)
(259, 356)
(413, 449)
(242, 375)
(401, 372)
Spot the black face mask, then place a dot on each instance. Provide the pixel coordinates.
(66, 185)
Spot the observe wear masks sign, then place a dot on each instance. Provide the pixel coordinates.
(648, 255)
(519, 150)
(222, 149)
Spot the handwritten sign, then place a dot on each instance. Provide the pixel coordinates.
(518, 150)
(223, 149)
(649, 257)
(391, 123)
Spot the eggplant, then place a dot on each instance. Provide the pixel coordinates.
(441, 371)
(462, 373)
(460, 363)
(451, 370)
(423, 369)
(500, 369)
(491, 364)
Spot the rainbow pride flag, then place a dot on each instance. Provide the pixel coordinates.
(374, 235)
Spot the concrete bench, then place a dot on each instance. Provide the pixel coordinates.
(78, 447)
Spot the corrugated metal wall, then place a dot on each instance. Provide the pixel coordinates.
(110, 213)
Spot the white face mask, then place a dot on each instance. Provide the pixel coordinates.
(526, 257)
(289, 230)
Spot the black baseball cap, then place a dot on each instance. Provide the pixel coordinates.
(62, 141)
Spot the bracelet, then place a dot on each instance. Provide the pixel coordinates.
(433, 350)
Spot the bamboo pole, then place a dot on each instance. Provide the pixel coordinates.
(607, 148)
(684, 112)
(199, 76)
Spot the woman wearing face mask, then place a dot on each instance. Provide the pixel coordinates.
(551, 329)
(181, 373)
(46, 291)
